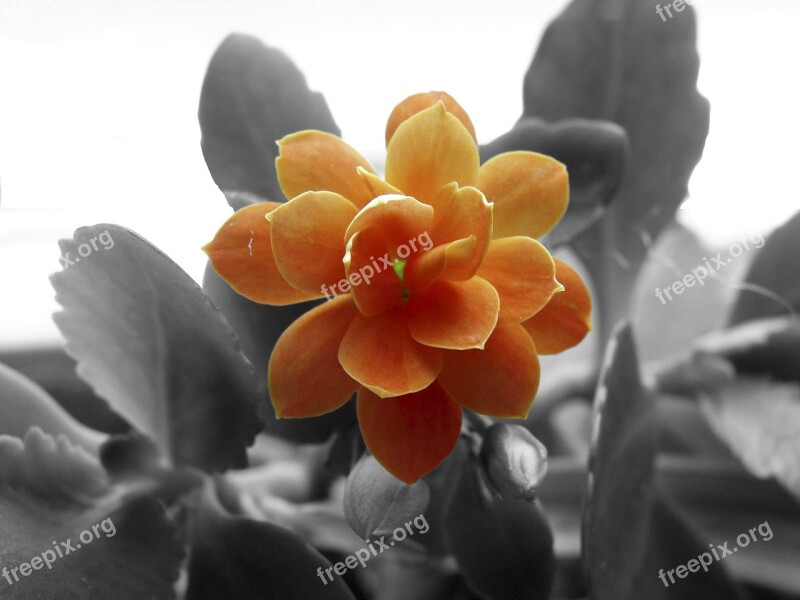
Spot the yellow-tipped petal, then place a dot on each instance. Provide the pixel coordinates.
(308, 239)
(429, 150)
(419, 102)
(530, 192)
(315, 161)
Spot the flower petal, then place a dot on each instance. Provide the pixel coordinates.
(452, 258)
(501, 380)
(418, 102)
(411, 434)
(378, 186)
(429, 150)
(566, 319)
(400, 220)
(318, 161)
(460, 213)
(523, 273)
(456, 315)
(305, 376)
(375, 286)
(530, 192)
(380, 354)
(241, 253)
(308, 239)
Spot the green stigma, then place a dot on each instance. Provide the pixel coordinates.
(399, 270)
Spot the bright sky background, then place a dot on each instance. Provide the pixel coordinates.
(98, 110)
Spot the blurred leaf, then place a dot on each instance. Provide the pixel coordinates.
(441, 482)
(421, 579)
(321, 524)
(24, 404)
(259, 326)
(629, 531)
(54, 370)
(129, 455)
(724, 500)
(772, 285)
(674, 543)
(376, 502)
(252, 96)
(760, 422)
(698, 311)
(595, 153)
(620, 480)
(52, 491)
(615, 60)
(347, 448)
(503, 546)
(152, 344)
(761, 347)
(240, 559)
(721, 499)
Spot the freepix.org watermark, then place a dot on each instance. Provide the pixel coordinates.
(677, 5)
(367, 272)
(362, 555)
(60, 550)
(705, 559)
(106, 242)
(709, 269)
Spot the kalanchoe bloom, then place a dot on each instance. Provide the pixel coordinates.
(440, 295)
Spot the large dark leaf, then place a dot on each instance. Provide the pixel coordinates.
(595, 153)
(772, 286)
(52, 491)
(239, 559)
(503, 546)
(615, 60)
(152, 344)
(252, 96)
(630, 532)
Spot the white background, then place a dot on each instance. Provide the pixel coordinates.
(98, 110)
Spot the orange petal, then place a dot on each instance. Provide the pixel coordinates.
(501, 380)
(530, 192)
(411, 434)
(454, 314)
(380, 354)
(523, 273)
(305, 376)
(460, 213)
(374, 284)
(307, 239)
(418, 102)
(429, 150)
(566, 319)
(400, 220)
(452, 258)
(377, 186)
(241, 253)
(318, 161)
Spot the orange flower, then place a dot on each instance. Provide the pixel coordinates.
(440, 295)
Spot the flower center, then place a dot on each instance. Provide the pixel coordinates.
(399, 267)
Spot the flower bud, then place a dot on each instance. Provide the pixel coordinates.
(514, 459)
